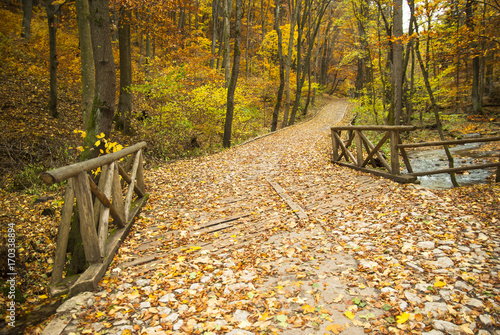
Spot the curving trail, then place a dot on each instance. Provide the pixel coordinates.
(271, 237)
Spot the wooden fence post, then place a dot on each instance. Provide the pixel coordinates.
(63, 234)
(86, 213)
(394, 152)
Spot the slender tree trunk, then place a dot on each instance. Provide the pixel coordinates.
(247, 48)
(294, 7)
(125, 100)
(425, 74)
(397, 63)
(215, 17)
(274, 123)
(234, 78)
(227, 45)
(311, 37)
(148, 57)
(476, 63)
(27, 13)
(51, 19)
(87, 59)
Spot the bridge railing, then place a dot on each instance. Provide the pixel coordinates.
(367, 153)
(95, 204)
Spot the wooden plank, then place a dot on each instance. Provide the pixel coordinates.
(335, 145)
(401, 178)
(455, 169)
(130, 192)
(86, 214)
(395, 167)
(375, 127)
(406, 160)
(359, 147)
(450, 142)
(103, 199)
(128, 180)
(117, 197)
(221, 220)
(63, 173)
(63, 234)
(299, 211)
(90, 278)
(97, 205)
(104, 219)
(375, 150)
(140, 175)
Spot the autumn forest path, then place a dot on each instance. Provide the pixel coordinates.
(270, 236)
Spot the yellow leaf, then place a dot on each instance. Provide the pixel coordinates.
(181, 259)
(97, 143)
(439, 283)
(403, 317)
(335, 328)
(308, 309)
(349, 314)
(43, 296)
(101, 135)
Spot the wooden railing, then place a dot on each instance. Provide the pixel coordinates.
(372, 154)
(99, 244)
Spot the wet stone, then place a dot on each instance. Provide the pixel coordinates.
(475, 303)
(434, 307)
(447, 327)
(143, 282)
(444, 262)
(486, 320)
(426, 245)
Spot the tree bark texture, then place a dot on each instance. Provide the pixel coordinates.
(87, 59)
(27, 13)
(234, 78)
(277, 106)
(51, 19)
(227, 46)
(125, 99)
(103, 108)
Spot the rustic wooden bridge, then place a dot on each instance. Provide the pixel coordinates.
(374, 156)
(99, 241)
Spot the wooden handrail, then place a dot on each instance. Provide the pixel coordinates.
(60, 174)
(381, 128)
(450, 142)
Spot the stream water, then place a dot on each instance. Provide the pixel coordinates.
(435, 159)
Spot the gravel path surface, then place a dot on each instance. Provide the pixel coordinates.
(271, 237)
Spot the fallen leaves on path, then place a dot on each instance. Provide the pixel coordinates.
(217, 250)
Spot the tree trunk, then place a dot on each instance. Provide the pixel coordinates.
(227, 45)
(397, 63)
(234, 78)
(274, 123)
(321, 9)
(215, 17)
(247, 48)
(87, 59)
(125, 100)
(476, 63)
(27, 13)
(103, 108)
(51, 19)
(425, 74)
(288, 61)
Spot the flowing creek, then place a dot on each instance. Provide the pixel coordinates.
(435, 159)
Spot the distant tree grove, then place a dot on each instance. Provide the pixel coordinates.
(211, 72)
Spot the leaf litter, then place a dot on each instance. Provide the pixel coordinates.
(217, 250)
